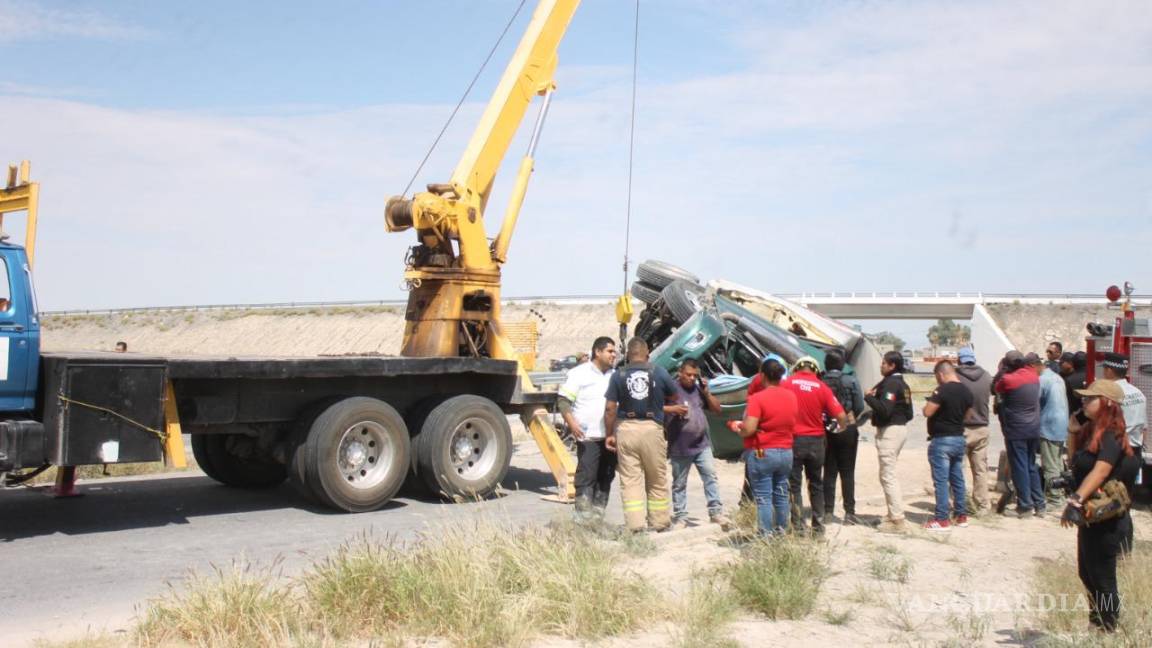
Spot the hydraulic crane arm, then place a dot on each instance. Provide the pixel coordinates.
(453, 272)
(528, 74)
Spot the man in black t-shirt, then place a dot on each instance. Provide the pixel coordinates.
(945, 412)
(639, 394)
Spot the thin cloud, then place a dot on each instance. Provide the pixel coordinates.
(854, 143)
(27, 21)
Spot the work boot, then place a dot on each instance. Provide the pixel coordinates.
(679, 524)
(850, 519)
(583, 511)
(817, 522)
(723, 520)
(893, 526)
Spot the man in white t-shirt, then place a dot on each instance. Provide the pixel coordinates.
(1135, 405)
(581, 402)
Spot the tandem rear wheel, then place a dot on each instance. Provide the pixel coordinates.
(462, 447)
(351, 454)
(236, 460)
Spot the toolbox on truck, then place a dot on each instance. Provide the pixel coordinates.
(103, 408)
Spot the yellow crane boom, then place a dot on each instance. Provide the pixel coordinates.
(453, 273)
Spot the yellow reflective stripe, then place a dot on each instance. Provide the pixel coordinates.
(634, 505)
(657, 505)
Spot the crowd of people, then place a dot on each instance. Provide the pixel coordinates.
(801, 424)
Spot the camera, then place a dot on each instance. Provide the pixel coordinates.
(1064, 482)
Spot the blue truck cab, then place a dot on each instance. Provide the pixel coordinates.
(19, 332)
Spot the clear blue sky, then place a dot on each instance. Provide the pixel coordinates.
(242, 152)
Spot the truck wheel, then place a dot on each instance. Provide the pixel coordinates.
(682, 299)
(463, 448)
(298, 435)
(236, 460)
(660, 274)
(644, 292)
(203, 458)
(355, 455)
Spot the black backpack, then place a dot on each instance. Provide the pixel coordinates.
(843, 394)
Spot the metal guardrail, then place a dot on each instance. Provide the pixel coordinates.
(978, 297)
(569, 299)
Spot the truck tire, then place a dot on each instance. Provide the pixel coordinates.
(463, 448)
(682, 299)
(414, 484)
(203, 457)
(659, 274)
(644, 292)
(297, 472)
(355, 455)
(236, 460)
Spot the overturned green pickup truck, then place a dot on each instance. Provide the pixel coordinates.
(729, 329)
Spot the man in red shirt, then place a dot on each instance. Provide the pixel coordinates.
(814, 399)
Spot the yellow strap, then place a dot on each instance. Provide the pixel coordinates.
(159, 434)
(634, 506)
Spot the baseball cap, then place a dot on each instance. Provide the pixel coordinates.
(1068, 357)
(1104, 388)
(966, 356)
(1116, 360)
(777, 358)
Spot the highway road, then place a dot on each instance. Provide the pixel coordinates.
(87, 562)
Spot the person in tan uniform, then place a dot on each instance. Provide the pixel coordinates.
(638, 395)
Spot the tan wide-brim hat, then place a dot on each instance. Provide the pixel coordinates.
(1105, 388)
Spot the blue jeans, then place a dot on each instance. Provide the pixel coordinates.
(681, 466)
(946, 456)
(768, 476)
(1025, 473)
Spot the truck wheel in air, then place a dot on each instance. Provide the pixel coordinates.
(644, 292)
(659, 274)
(236, 460)
(464, 448)
(354, 456)
(683, 299)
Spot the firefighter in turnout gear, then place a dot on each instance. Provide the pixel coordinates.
(637, 398)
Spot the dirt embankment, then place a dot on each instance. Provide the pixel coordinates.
(1032, 326)
(564, 329)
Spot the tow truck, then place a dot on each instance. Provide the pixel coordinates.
(347, 431)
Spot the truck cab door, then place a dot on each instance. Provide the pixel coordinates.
(19, 334)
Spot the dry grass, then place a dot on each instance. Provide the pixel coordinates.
(704, 613)
(89, 640)
(887, 564)
(473, 586)
(476, 586)
(1062, 610)
(238, 607)
(780, 577)
(481, 586)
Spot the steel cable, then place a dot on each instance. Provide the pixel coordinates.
(463, 98)
(631, 144)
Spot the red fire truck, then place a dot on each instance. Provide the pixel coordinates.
(1133, 338)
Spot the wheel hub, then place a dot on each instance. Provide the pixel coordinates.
(365, 454)
(474, 448)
